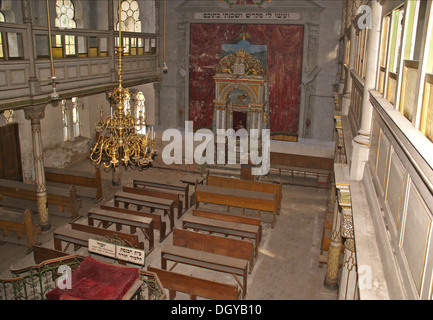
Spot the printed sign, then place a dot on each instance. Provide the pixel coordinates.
(127, 254)
(102, 248)
(130, 254)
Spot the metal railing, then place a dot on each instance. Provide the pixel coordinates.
(34, 282)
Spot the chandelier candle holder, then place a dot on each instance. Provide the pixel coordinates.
(119, 139)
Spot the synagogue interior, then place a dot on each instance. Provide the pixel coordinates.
(216, 150)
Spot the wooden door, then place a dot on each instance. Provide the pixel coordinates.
(10, 154)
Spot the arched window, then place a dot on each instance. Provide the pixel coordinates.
(75, 117)
(71, 119)
(65, 121)
(65, 20)
(127, 105)
(140, 110)
(129, 16)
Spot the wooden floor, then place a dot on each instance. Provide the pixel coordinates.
(287, 267)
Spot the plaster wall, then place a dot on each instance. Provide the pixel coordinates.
(321, 109)
(169, 89)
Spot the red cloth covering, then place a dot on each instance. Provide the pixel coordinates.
(284, 69)
(96, 280)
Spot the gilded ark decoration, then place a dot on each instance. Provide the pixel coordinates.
(240, 62)
(241, 87)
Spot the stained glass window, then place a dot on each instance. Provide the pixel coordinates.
(65, 20)
(75, 117)
(129, 16)
(65, 121)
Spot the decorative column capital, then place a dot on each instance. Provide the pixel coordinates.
(34, 112)
(157, 86)
(345, 204)
(27, 11)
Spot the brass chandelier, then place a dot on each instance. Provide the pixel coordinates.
(119, 140)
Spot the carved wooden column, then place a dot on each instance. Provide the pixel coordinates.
(348, 289)
(35, 114)
(334, 251)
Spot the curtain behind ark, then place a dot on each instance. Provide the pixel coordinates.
(284, 70)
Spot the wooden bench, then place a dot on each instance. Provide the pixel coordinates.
(320, 167)
(196, 256)
(257, 186)
(79, 234)
(240, 249)
(226, 228)
(108, 217)
(192, 180)
(167, 206)
(76, 178)
(226, 216)
(244, 199)
(41, 254)
(183, 190)
(60, 197)
(159, 194)
(21, 223)
(158, 223)
(195, 287)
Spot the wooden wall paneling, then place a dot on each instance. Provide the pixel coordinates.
(416, 236)
(10, 153)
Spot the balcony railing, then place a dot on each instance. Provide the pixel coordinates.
(81, 59)
(34, 282)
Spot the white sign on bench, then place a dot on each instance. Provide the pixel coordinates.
(114, 251)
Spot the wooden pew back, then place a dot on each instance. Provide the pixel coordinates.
(41, 254)
(195, 286)
(21, 223)
(229, 217)
(56, 196)
(157, 220)
(235, 248)
(182, 190)
(78, 178)
(225, 216)
(257, 186)
(158, 194)
(132, 239)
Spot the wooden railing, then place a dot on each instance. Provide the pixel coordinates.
(86, 60)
